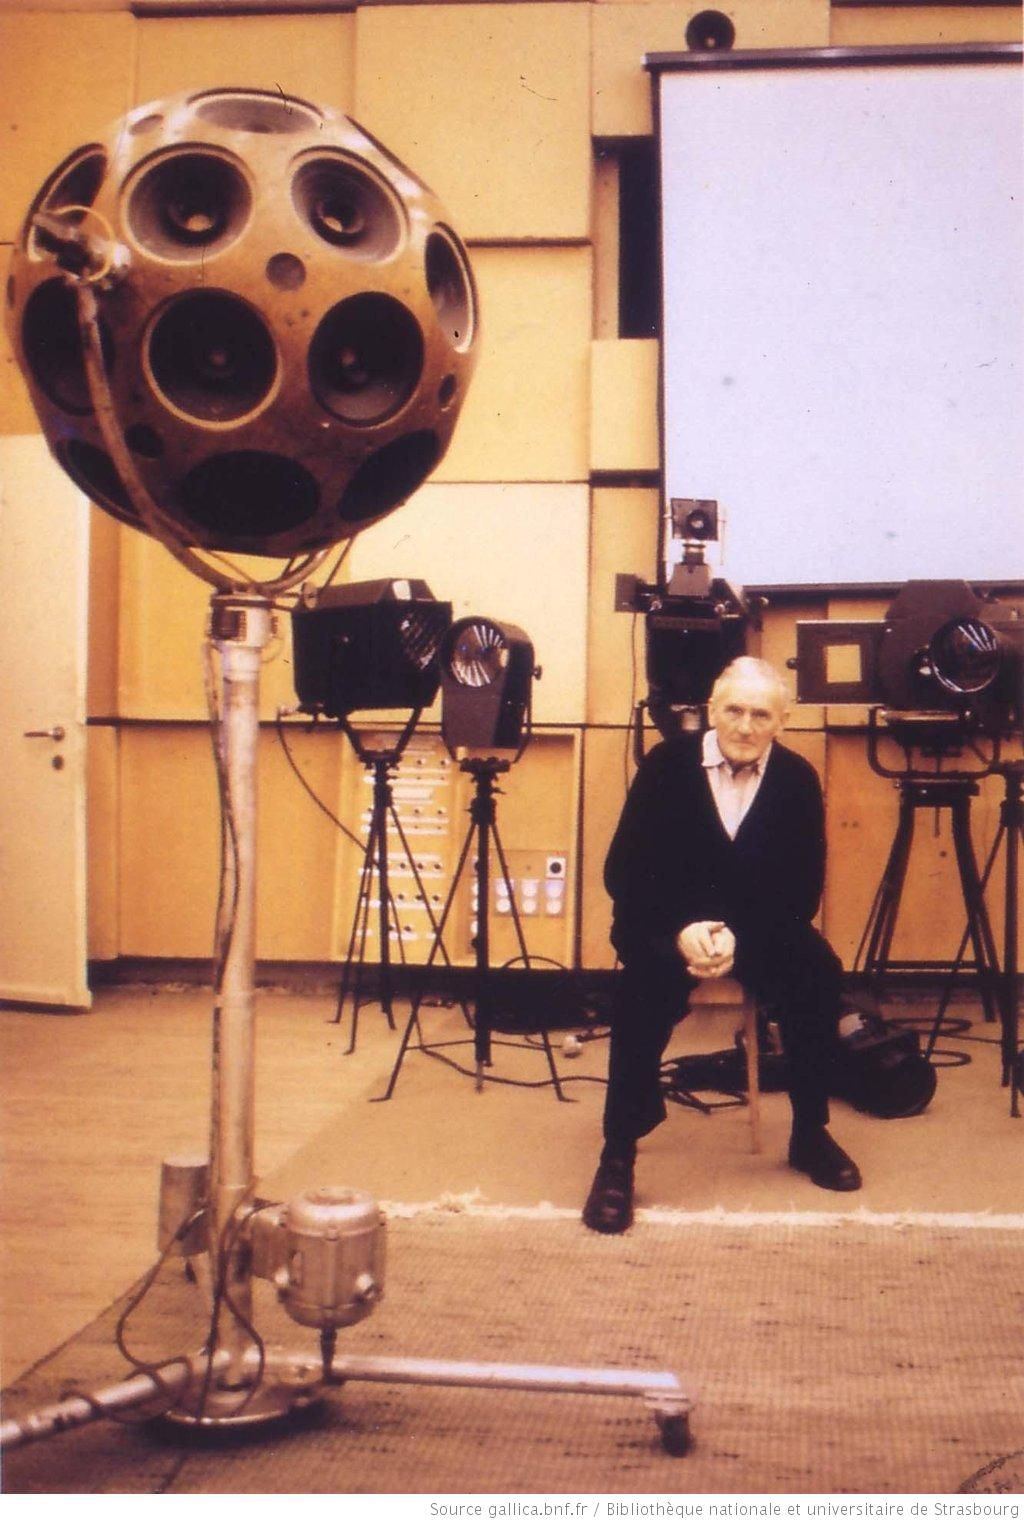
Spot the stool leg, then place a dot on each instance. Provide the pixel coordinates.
(753, 1074)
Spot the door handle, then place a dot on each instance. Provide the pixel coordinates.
(56, 733)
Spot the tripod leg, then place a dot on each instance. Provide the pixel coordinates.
(890, 893)
(947, 989)
(413, 1022)
(979, 929)
(381, 802)
(358, 932)
(357, 958)
(1013, 827)
(482, 1014)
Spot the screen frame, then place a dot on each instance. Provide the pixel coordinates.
(900, 56)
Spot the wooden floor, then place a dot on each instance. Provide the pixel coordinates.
(90, 1105)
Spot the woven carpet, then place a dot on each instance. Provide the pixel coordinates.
(826, 1355)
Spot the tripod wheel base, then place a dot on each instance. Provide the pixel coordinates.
(289, 1386)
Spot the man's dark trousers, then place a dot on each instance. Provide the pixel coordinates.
(799, 978)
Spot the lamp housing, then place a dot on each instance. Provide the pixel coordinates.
(368, 645)
(943, 649)
(487, 672)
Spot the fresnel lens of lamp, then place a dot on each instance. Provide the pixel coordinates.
(965, 656)
(479, 654)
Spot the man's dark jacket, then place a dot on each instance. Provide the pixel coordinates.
(671, 861)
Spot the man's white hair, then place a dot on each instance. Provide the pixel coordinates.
(752, 667)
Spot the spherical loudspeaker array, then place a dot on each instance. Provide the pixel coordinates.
(288, 334)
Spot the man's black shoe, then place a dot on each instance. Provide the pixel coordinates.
(819, 1155)
(609, 1207)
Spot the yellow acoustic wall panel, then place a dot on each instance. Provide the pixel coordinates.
(170, 844)
(526, 416)
(104, 613)
(163, 622)
(515, 552)
(625, 32)
(862, 26)
(623, 539)
(607, 768)
(62, 79)
(775, 641)
(624, 405)
(298, 843)
(310, 56)
(102, 832)
(862, 817)
(490, 105)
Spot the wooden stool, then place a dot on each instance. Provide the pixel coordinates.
(753, 1075)
(731, 992)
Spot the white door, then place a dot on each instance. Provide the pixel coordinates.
(44, 540)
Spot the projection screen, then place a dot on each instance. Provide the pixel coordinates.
(843, 309)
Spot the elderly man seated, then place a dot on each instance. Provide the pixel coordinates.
(717, 867)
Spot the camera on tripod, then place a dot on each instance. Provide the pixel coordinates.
(695, 623)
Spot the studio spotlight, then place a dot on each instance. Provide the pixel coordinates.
(944, 657)
(487, 673)
(372, 645)
(368, 645)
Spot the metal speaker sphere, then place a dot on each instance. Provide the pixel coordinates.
(288, 321)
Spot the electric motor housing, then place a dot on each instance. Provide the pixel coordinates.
(333, 1250)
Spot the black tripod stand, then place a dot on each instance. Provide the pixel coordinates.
(483, 830)
(954, 793)
(375, 857)
(1011, 828)
(919, 790)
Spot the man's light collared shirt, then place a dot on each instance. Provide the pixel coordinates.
(733, 790)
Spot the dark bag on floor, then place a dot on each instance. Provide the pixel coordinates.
(879, 1067)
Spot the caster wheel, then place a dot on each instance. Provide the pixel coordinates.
(675, 1434)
